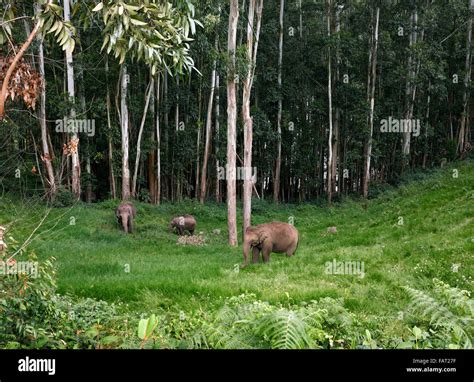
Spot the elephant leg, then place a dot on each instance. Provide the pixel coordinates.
(180, 231)
(130, 224)
(291, 249)
(191, 232)
(255, 254)
(266, 250)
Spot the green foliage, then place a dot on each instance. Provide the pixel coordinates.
(35, 316)
(449, 312)
(155, 32)
(64, 198)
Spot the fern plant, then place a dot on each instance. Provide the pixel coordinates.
(450, 312)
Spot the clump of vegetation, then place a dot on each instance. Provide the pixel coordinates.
(63, 198)
(34, 315)
(446, 316)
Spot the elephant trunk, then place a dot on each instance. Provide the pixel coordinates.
(124, 218)
(246, 248)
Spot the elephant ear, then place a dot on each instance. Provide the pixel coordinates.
(263, 235)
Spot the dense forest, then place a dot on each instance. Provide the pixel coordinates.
(303, 99)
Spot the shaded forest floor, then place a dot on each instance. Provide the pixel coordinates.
(148, 270)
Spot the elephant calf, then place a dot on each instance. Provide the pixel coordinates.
(125, 213)
(183, 223)
(270, 237)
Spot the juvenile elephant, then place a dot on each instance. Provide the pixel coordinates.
(125, 213)
(183, 223)
(270, 237)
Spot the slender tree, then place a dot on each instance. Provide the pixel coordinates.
(253, 34)
(371, 98)
(232, 124)
(207, 145)
(463, 135)
(125, 135)
(330, 156)
(276, 186)
(74, 141)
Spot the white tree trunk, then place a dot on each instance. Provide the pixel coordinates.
(124, 130)
(113, 188)
(276, 186)
(76, 166)
(371, 99)
(253, 32)
(232, 124)
(218, 184)
(140, 133)
(329, 162)
(47, 158)
(410, 88)
(207, 146)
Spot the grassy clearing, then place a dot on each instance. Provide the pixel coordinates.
(93, 256)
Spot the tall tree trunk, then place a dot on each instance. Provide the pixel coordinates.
(232, 124)
(207, 146)
(253, 34)
(276, 188)
(140, 133)
(329, 161)
(337, 111)
(410, 88)
(218, 183)
(198, 143)
(113, 187)
(125, 136)
(82, 98)
(74, 142)
(47, 157)
(158, 144)
(463, 135)
(371, 99)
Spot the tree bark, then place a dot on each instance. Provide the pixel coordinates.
(232, 124)
(252, 48)
(410, 88)
(76, 166)
(217, 124)
(329, 161)
(207, 145)
(140, 133)
(47, 157)
(158, 144)
(371, 100)
(125, 136)
(463, 135)
(276, 183)
(113, 187)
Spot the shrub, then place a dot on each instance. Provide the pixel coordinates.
(63, 198)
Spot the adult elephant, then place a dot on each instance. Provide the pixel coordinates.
(270, 237)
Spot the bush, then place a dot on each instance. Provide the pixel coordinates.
(63, 198)
(35, 316)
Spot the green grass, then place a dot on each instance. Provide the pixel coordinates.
(93, 255)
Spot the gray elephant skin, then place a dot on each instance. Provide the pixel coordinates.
(183, 223)
(125, 214)
(267, 238)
